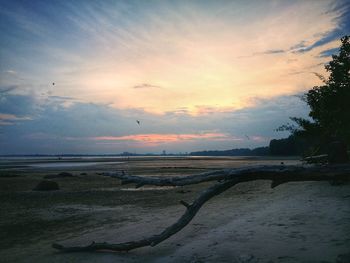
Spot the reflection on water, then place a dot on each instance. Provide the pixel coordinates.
(156, 165)
(69, 164)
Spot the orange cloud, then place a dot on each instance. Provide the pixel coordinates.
(7, 119)
(166, 138)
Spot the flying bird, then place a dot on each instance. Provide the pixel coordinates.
(53, 83)
(247, 137)
(138, 122)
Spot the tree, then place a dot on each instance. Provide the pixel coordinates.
(329, 104)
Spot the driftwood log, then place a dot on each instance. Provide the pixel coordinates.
(318, 159)
(227, 178)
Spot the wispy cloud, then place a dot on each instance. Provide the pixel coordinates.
(19, 105)
(61, 98)
(106, 50)
(10, 72)
(6, 89)
(172, 64)
(87, 127)
(11, 119)
(146, 86)
(340, 10)
(270, 52)
(274, 51)
(329, 52)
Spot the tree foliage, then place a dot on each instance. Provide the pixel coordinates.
(329, 103)
(293, 145)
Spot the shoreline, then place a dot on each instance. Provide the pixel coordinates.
(296, 222)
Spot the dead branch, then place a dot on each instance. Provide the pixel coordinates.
(277, 174)
(191, 210)
(322, 158)
(263, 172)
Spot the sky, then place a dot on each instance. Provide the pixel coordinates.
(76, 76)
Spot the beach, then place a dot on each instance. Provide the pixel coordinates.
(295, 222)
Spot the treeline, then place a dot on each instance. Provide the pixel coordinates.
(291, 146)
(260, 151)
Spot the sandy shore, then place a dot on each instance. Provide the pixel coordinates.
(296, 222)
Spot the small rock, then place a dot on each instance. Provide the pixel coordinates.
(46, 185)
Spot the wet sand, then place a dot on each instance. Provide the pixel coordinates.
(295, 222)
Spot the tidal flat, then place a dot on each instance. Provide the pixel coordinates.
(295, 222)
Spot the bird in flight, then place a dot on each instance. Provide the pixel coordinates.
(53, 83)
(247, 137)
(138, 122)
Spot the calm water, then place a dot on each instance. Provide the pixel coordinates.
(69, 164)
(139, 162)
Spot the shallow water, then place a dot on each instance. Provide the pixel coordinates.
(168, 164)
(69, 164)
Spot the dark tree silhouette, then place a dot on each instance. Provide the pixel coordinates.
(329, 104)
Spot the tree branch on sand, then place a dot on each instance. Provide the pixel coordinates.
(227, 178)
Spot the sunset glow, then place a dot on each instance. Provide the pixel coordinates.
(158, 139)
(175, 63)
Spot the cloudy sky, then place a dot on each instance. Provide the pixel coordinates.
(75, 76)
